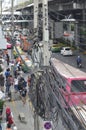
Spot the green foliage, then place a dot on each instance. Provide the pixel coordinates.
(1, 109)
(83, 32)
(1, 103)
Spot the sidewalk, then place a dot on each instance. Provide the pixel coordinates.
(17, 107)
(28, 110)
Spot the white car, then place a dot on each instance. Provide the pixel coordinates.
(65, 51)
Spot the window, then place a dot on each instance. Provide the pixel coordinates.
(78, 85)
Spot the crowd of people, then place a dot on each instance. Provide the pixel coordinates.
(17, 82)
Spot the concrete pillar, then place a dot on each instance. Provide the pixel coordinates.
(46, 53)
(12, 15)
(45, 21)
(34, 52)
(76, 35)
(36, 17)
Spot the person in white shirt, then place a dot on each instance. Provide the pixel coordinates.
(16, 84)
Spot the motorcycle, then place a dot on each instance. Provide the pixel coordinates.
(79, 65)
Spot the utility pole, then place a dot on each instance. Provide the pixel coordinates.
(76, 35)
(46, 52)
(12, 33)
(44, 46)
(12, 16)
(36, 4)
(1, 11)
(35, 53)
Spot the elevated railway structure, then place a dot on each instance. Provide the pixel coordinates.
(59, 8)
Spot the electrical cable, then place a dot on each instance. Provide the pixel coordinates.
(57, 99)
(48, 84)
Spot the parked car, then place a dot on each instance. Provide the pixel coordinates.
(66, 51)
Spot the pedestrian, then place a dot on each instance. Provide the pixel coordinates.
(11, 79)
(9, 116)
(8, 112)
(8, 85)
(21, 83)
(7, 59)
(2, 82)
(10, 120)
(23, 94)
(16, 84)
(7, 73)
(79, 61)
(16, 73)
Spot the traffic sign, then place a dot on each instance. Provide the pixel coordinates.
(47, 125)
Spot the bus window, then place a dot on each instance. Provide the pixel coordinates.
(78, 85)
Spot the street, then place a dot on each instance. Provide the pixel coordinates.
(71, 60)
(17, 106)
(30, 27)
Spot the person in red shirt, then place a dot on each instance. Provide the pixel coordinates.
(8, 112)
(10, 120)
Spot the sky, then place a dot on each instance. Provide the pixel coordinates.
(7, 3)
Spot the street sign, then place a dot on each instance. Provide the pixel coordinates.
(47, 125)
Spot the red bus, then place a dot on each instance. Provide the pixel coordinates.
(72, 85)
